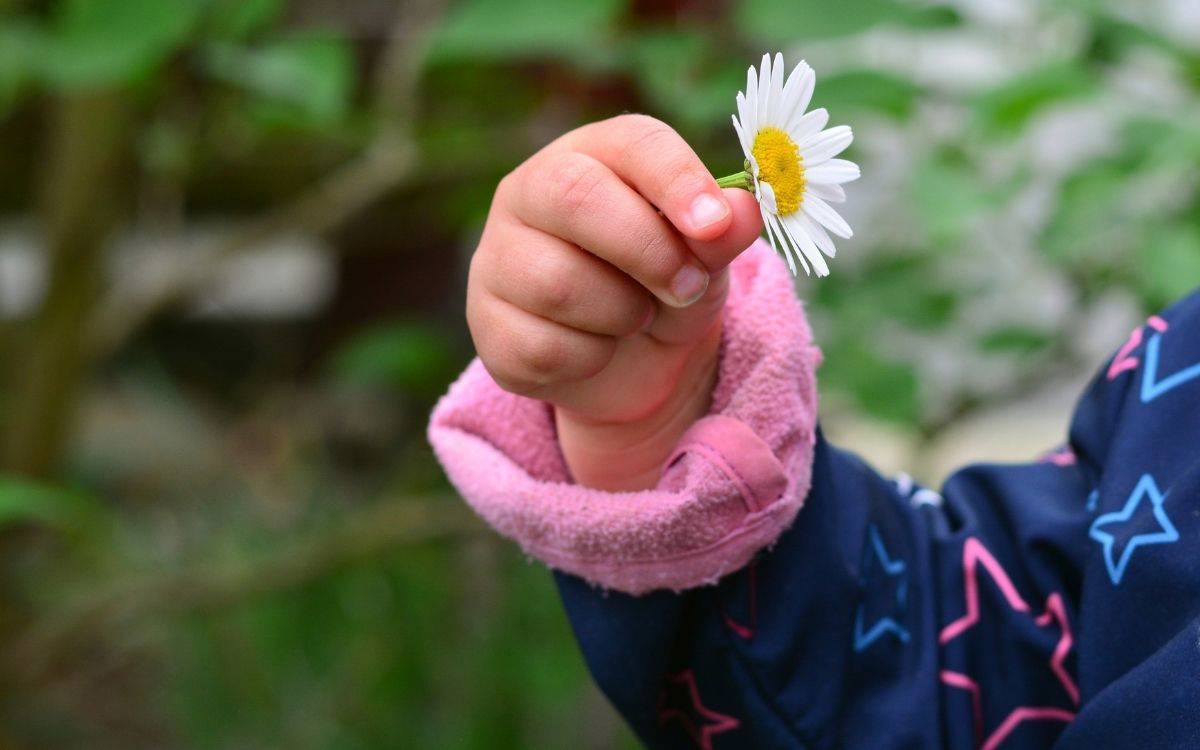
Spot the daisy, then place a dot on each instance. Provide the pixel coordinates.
(790, 165)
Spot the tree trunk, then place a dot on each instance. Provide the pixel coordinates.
(87, 140)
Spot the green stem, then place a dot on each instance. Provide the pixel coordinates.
(740, 180)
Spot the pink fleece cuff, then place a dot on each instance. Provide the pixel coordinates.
(732, 485)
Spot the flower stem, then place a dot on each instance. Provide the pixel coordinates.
(739, 180)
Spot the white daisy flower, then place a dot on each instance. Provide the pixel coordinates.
(790, 163)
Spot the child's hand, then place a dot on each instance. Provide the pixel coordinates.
(582, 294)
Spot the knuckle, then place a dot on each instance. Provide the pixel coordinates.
(495, 343)
(506, 186)
(655, 257)
(647, 134)
(555, 283)
(637, 123)
(545, 356)
(574, 180)
(502, 370)
(558, 295)
(683, 178)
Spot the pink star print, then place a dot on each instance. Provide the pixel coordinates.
(714, 723)
(1123, 361)
(974, 555)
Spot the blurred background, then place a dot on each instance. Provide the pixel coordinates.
(233, 236)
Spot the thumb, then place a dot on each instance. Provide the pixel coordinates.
(744, 228)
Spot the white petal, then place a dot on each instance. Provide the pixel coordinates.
(826, 145)
(742, 115)
(779, 246)
(832, 172)
(764, 89)
(777, 101)
(808, 125)
(802, 94)
(818, 234)
(737, 126)
(830, 219)
(791, 252)
(828, 193)
(751, 121)
(806, 245)
(788, 97)
(766, 197)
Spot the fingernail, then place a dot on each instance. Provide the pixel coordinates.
(707, 210)
(689, 285)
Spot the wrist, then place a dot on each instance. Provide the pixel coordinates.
(630, 455)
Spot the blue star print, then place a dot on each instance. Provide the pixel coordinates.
(1167, 534)
(893, 569)
(1152, 387)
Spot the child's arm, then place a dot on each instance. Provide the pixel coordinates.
(1052, 602)
(1055, 600)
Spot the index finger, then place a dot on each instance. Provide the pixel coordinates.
(655, 160)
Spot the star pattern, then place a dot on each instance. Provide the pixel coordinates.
(1124, 359)
(1102, 528)
(1152, 387)
(680, 702)
(976, 555)
(875, 556)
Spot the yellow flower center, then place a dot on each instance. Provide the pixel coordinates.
(781, 166)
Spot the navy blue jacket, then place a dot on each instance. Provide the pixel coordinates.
(1052, 604)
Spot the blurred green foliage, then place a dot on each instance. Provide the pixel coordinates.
(274, 559)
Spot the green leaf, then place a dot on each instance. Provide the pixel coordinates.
(408, 356)
(902, 288)
(1091, 225)
(1007, 107)
(20, 47)
(511, 29)
(883, 388)
(683, 76)
(1171, 265)
(23, 501)
(97, 43)
(948, 195)
(1016, 340)
(869, 90)
(238, 19)
(795, 20)
(933, 17)
(311, 77)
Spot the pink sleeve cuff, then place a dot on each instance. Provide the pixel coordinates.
(731, 487)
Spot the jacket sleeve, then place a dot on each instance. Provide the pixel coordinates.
(734, 482)
(1050, 604)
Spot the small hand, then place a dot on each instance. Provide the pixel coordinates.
(598, 287)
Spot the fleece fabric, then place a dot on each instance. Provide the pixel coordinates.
(734, 482)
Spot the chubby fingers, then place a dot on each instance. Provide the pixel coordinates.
(525, 353)
(576, 197)
(554, 279)
(650, 156)
(631, 191)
